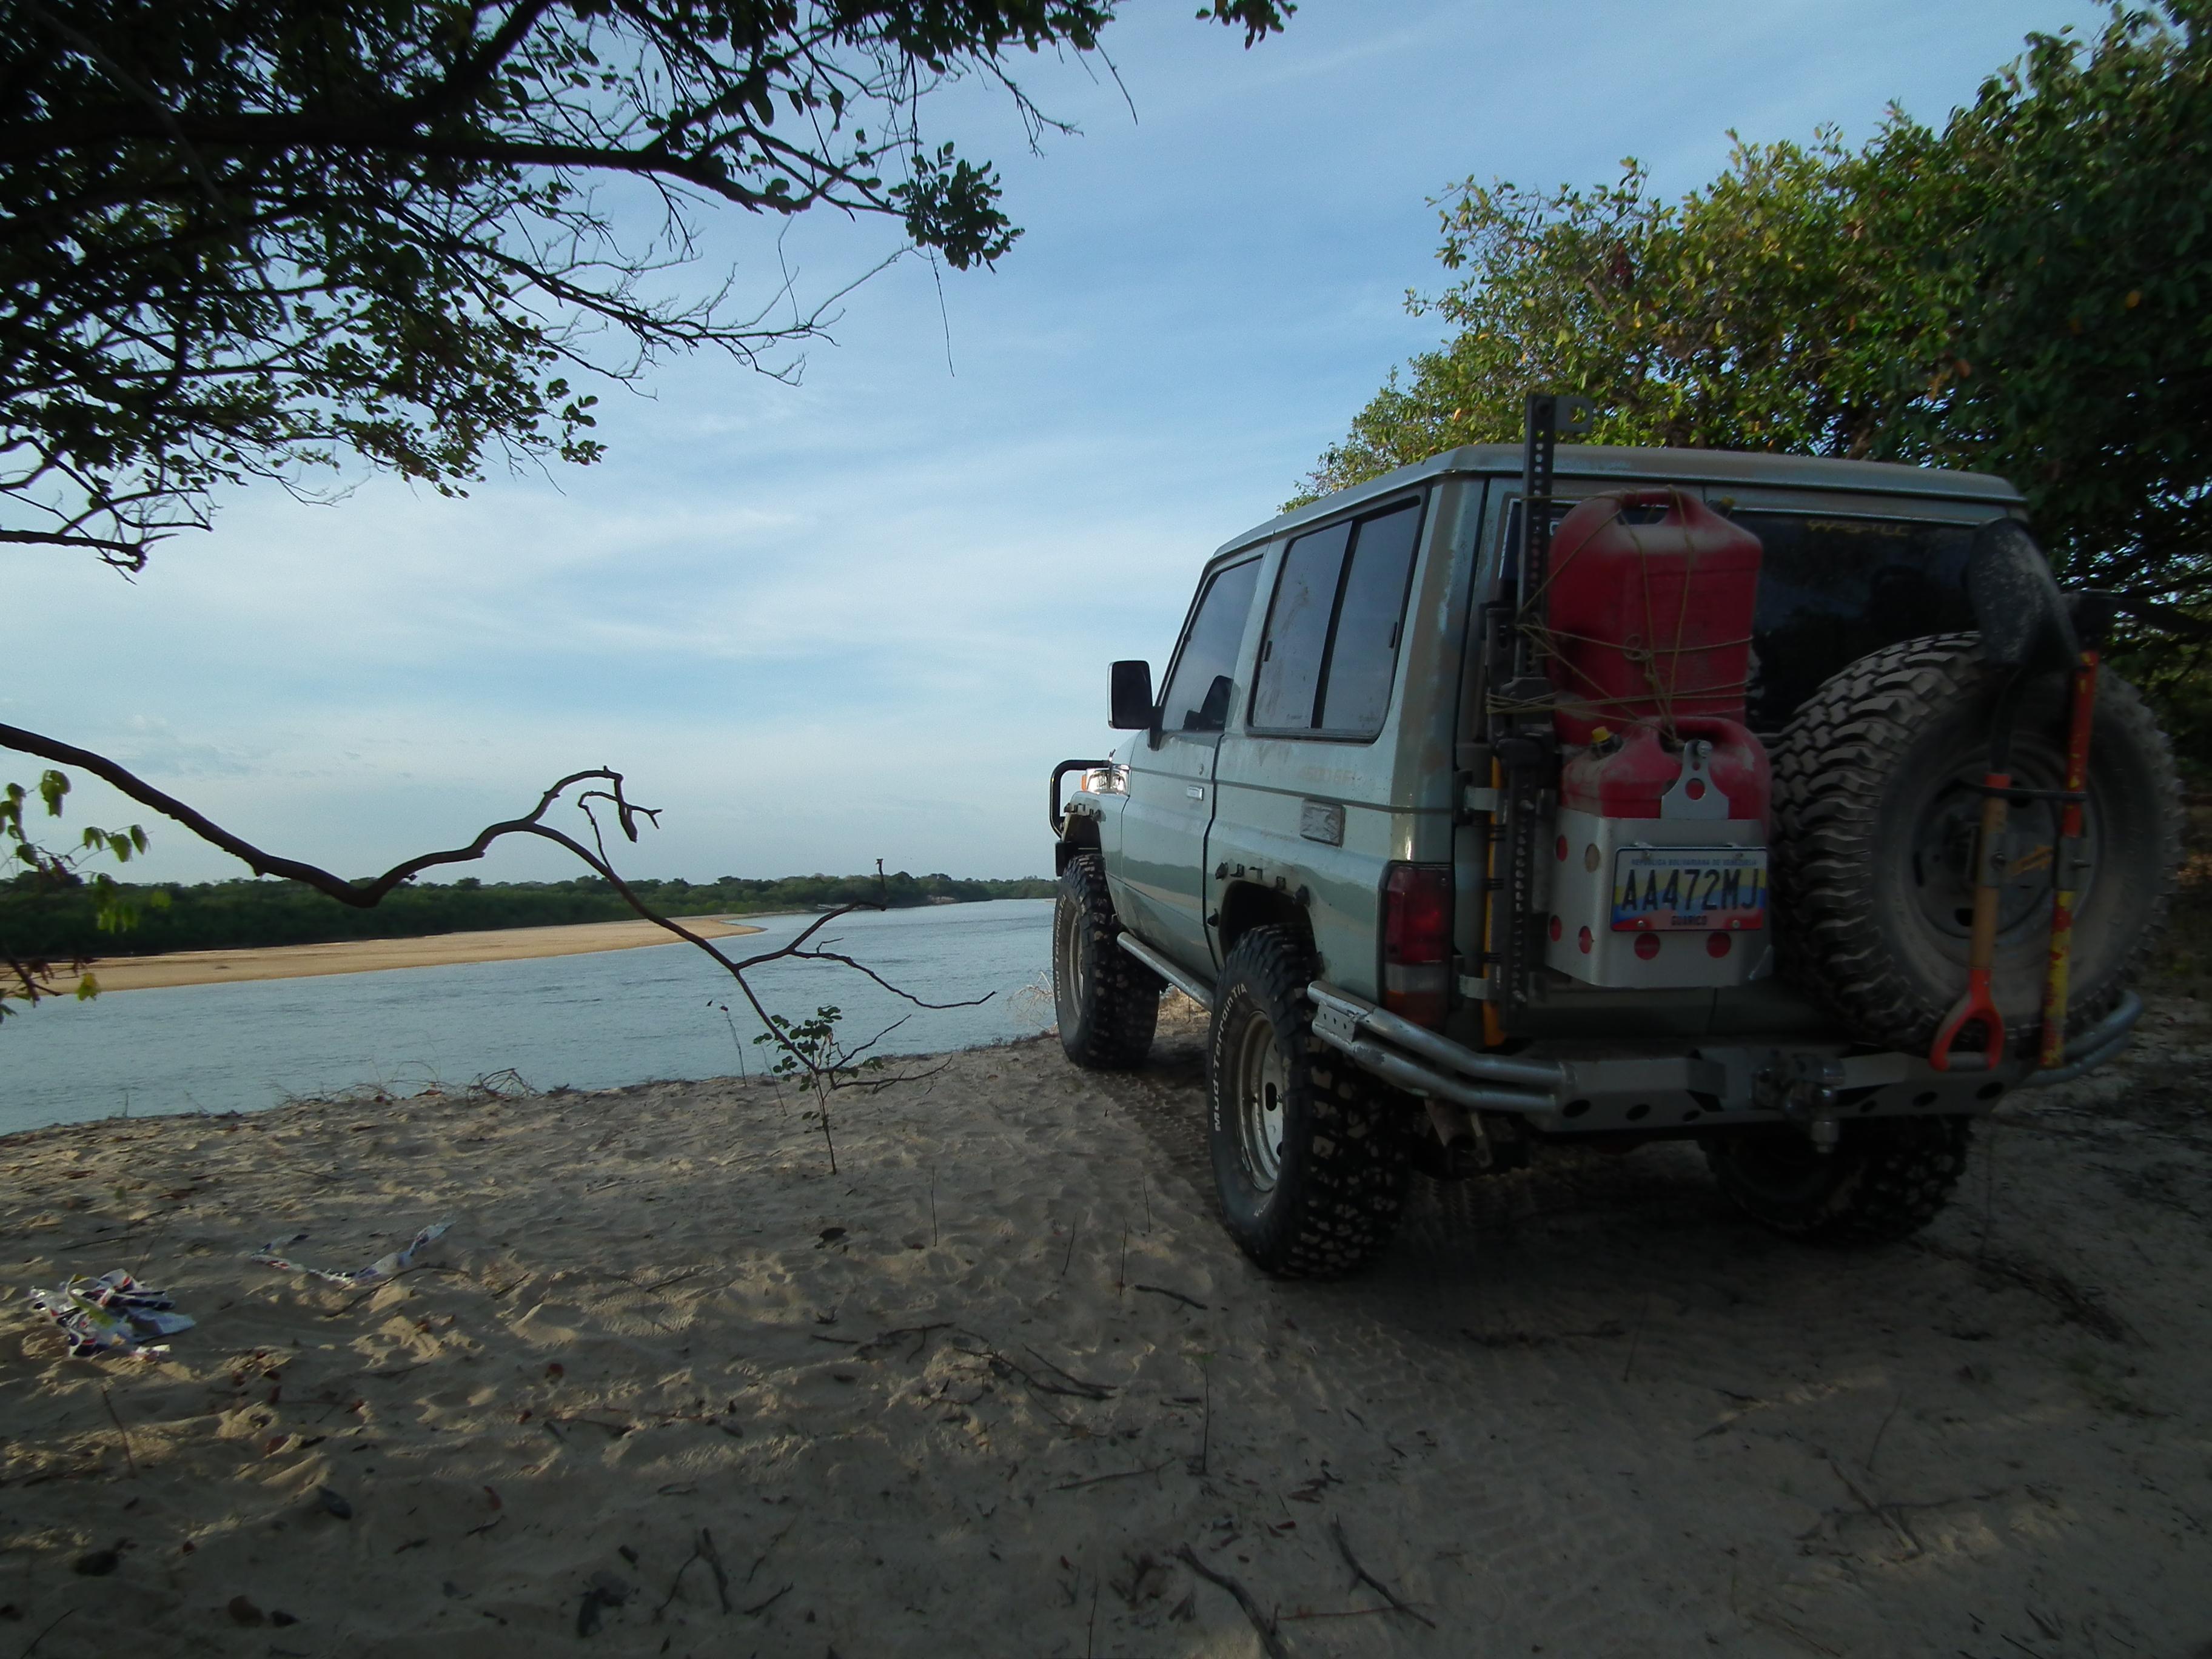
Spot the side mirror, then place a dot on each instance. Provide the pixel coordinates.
(1133, 709)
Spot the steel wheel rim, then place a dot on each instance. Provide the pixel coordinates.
(1261, 1081)
(1942, 842)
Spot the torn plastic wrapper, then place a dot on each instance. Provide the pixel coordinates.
(112, 1314)
(384, 1267)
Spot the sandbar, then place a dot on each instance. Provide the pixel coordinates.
(1002, 1386)
(366, 956)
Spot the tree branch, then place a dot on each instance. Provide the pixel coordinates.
(31, 978)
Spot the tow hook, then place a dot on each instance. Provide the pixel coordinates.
(1804, 1088)
(1473, 1147)
(1466, 1147)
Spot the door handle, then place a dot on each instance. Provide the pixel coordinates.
(1194, 791)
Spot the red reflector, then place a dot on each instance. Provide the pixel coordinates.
(1417, 915)
(1647, 945)
(1717, 944)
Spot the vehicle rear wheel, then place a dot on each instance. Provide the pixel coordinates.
(1877, 804)
(1885, 1179)
(1109, 1003)
(1310, 1155)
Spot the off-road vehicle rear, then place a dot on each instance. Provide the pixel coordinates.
(1570, 793)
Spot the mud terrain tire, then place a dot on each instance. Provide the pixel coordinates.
(1310, 1154)
(1109, 1003)
(1886, 1179)
(1874, 810)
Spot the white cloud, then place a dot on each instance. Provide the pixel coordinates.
(861, 617)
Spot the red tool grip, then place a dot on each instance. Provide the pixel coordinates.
(1976, 1008)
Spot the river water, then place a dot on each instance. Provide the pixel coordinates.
(591, 1022)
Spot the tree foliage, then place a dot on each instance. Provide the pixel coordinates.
(2026, 290)
(245, 239)
(28, 969)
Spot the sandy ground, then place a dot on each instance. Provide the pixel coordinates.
(669, 1386)
(367, 956)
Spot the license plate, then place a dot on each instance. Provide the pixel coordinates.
(1711, 888)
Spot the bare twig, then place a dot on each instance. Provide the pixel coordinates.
(761, 1560)
(706, 1553)
(122, 1433)
(1361, 1576)
(760, 1608)
(1118, 1475)
(1270, 1640)
(366, 894)
(1162, 1290)
(1636, 1342)
(1877, 1447)
(1789, 1629)
(1097, 1390)
(31, 1647)
(1002, 1366)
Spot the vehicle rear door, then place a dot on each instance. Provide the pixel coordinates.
(1170, 784)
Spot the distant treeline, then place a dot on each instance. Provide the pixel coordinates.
(223, 915)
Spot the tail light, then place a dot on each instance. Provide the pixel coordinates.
(1417, 938)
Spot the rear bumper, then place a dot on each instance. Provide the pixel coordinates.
(1557, 1091)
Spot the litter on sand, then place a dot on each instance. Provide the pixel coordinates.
(111, 1313)
(384, 1267)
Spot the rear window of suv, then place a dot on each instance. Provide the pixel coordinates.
(1831, 589)
(1330, 653)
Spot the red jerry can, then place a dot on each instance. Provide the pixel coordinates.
(1648, 619)
(1718, 770)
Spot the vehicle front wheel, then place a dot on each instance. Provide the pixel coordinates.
(1310, 1155)
(1109, 1003)
(1885, 1179)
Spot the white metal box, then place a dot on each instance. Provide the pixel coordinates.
(1669, 951)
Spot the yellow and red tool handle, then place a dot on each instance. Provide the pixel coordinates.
(1977, 1009)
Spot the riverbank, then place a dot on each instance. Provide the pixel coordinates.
(1001, 1386)
(369, 955)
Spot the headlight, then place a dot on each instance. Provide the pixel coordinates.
(1105, 780)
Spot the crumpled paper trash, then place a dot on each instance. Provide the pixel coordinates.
(111, 1313)
(384, 1267)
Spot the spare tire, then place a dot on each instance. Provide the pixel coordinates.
(1875, 816)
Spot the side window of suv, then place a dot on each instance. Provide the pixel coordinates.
(1331, 650)
(1199, 689)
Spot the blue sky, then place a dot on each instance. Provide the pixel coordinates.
(861, 617)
